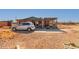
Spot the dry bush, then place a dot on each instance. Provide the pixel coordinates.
(7, 34)
(6, 27)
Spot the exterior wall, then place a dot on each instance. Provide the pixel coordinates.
(5, 23)
(43, 22)
(50, 23)
(19, 21)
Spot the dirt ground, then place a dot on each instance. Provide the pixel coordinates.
(68, 37)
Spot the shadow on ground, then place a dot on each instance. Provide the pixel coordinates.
(48, 30)
(23, 31)
(40, 29)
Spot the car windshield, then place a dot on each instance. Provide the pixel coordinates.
(25, 23)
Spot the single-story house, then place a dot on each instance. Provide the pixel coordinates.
(5, 23)
(43, 22)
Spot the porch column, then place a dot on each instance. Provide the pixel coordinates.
(56, 24)
(42, 23)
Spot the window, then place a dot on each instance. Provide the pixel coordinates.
(25, 23)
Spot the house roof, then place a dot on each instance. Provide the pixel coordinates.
(36, 18)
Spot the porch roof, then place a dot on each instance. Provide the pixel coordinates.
(35, 18)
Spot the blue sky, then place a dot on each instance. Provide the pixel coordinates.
(61, 14)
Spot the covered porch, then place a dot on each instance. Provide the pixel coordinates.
(41, 22)
(45, 23)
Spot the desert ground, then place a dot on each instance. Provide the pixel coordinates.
(65, 38)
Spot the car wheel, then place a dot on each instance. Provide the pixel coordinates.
(14, 29)
(29, 29)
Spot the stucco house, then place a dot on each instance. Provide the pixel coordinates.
(40, 22)
(5, 23)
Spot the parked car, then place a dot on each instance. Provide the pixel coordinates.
(29, 26)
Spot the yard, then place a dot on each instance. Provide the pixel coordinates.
(41, 39)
